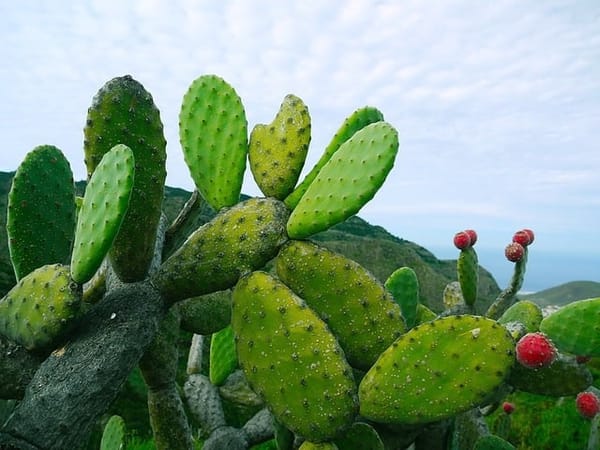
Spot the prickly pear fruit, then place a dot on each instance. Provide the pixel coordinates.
(291, 359)
(437, 370)
(238, 240)
(113, 437)
(223, 360)
(525, 312)
(38, 311)
(360, 436)
(123, 112)
(403, 284)
(104, 206)
(462, 240)
(354, 304)
(347, 181)
(214, 136)
(356, 121)
(40, 218)
(277, 151)
(535, 350)
(588, 405)
(467, 268)
(575, 328)
(514, 252)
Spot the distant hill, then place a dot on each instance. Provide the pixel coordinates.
(565, 293)
(370, 245)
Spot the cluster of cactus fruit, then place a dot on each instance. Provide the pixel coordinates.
(330, 357)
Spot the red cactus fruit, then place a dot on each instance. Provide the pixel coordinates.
(472, 235)
(508, 407)
(535, 350)
(522, 237)
(531, 235)
(514, 252)
(587, 404)
(462, 240)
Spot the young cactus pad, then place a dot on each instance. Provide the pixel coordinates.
(357, 120)
(356, 306)
(575, 328)
(214, 136)
(223, 360)
(123, 112)
(113, 437)
(41, 211)
(437, 370)
(525, 312)
(40, 308)
(347, 181)
(238, 240)
(104, 206)
(277, 151)
(291, 359)
(467, 268)
(403, 284)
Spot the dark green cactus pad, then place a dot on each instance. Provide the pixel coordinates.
(291, 359)
(403, 284)
(562, 378)
(39, 310)
(238, 240)
(104, 206)
(277, 151)
(347, 181)
(525, 312)
(467, 268)
(206, 314)
(354, 304)
(360, 436)
(492, 442)
(307, 445)
(356, 121)
(214, 136)
(437, 370)
(123, 112)
(113, 437)
(575, 328)
(40, 219)
(223, 359)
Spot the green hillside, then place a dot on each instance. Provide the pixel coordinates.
(565, 293)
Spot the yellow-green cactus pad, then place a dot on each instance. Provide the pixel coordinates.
(437, 370)
(291, 359)
(525, 312)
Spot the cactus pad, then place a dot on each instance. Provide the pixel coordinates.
(525, 312)
(437, 370)
(347, 181)
(40, 308)
(575, 328)
(123, 112)
(238, 240)
(104, 206)
(356, 121)
(492, 442)
(291, 359)
(360, 436)
(403, 284)
(41, 211)
(307, 445)
(113, 437)
(223, 360)
(277, 151)
(467, 268)
(354, 304)
(214, 136)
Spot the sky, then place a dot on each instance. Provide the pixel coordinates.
(497, 104)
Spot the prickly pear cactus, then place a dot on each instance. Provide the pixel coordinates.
(277, 151)
(437, 370)
(347, 181)
(307, 445)
(214, 137)
(223, 360)
(525, 312)
(354, 304)
(467, 269)
(40, 219)
(360, 436)
(123, 112)
(113, 437)
(38, 311)
(291, 359)
(403, 284)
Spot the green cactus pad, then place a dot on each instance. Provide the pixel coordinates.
(307, 445)
(492, 442)
(214, 136)
(437, 370)
(525, 312)
(360, 436)
(123, 112)
(277, 151)
(113, 437)
(38, 311)
(562, 378)
(424, 314)
(223, 360)
(238, 240)
(40, 219)
(467, 268)
(403, 284)
(104, 206)
(356, 306)
(291, 359)
(575, 328)
(347, 181)
(356, 121)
